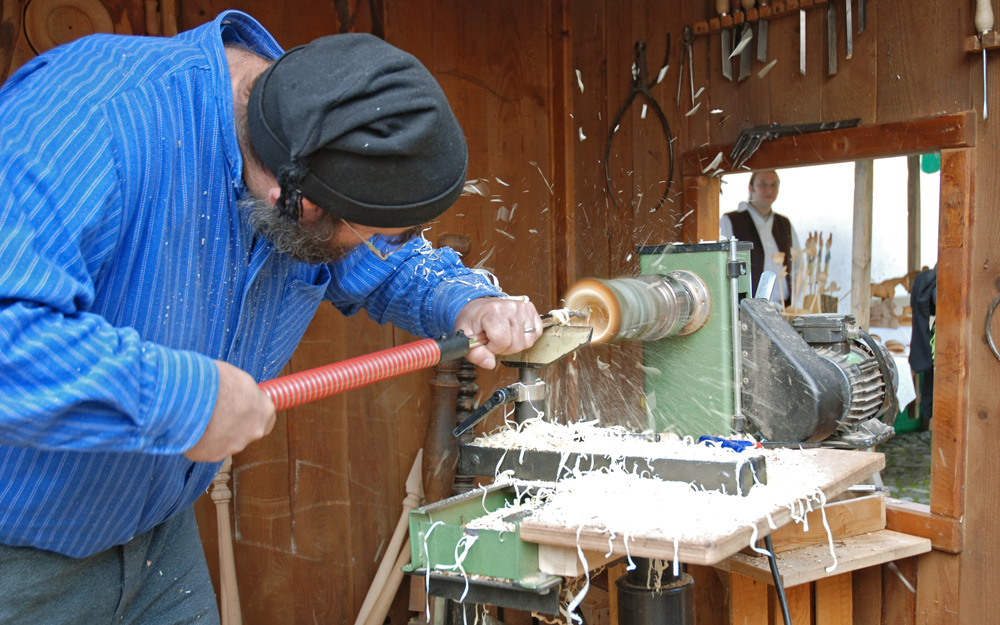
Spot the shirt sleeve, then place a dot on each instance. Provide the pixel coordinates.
(418, 288)
(70, 380)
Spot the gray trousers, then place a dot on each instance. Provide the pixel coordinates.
(158, 578)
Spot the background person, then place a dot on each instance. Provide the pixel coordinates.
(770, 233)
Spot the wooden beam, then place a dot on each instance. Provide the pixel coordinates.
(700, 220)
(912, 213)
(916, 519)
(861, 253)
(837, 146)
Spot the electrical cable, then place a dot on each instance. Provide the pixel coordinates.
(989, 320)
(778, 586)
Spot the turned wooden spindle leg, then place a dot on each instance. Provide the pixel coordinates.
(229, 594)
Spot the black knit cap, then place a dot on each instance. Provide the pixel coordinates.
(361, 129)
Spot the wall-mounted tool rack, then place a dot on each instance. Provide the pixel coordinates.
(771, 11)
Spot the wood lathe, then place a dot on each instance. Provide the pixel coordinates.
(717, 362)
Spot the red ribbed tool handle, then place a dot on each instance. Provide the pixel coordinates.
(306, 386)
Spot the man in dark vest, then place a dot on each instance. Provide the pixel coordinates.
(769, 232)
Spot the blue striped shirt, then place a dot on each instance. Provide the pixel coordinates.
(126, 267)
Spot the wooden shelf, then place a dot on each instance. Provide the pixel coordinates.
(808, 564)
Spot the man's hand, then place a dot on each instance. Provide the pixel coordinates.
(243, 413)
(508, 326)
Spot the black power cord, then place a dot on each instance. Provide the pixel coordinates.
(778, 586)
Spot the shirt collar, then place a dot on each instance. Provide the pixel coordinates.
(231, 27)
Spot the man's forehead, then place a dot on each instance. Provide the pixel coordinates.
(767, 176)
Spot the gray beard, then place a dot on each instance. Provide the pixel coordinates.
(312, 245)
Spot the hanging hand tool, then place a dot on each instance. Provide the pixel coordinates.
(751, 138)
(831, 38)
(802, 41)
(850, 30)
(861, 16)
(984, 24)
(686, 53)
(762, 32)
(746, 52)
(722, 7)
(641, 85)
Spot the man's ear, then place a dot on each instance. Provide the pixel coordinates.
(311, 213)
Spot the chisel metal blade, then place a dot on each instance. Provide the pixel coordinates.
(861, 16)
(802, 42)
(831, 39)
(762, 40)
(850, 30)
(746, 54)
(745, 37)
(727, 48)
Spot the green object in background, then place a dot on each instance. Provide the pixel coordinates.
(689, 379)
(930, 163)
(904, 424)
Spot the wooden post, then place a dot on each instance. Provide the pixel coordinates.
(861, 253)
(387, 578)
(912, 213)
(229, 594)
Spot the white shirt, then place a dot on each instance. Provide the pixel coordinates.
(764, 225)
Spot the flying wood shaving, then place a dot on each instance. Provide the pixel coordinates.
(583, 137)
(714, 164)
(643, 114)
(579, 80)
(501, 181)
(542, 174)
(691, 112)
(476, 187)
(695, 97)
(764, 70)
(662, 74)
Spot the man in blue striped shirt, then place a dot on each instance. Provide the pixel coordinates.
(172, 213)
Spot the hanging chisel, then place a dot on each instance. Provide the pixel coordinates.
(746, 51)
(762, 32)
(850, 30)
(688, 39)
(722, 7)
(861, 16)
(802, 41)
(831, 39)
(984, 24)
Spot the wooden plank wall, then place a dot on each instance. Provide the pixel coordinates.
(316, 502)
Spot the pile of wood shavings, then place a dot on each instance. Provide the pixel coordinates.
(588, 437)
(627, 504)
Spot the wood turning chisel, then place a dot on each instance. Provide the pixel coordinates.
(848, 20)
(802, 41)
(984, 24)
(722, 8)
(746, 51)
(831, 38)
(762, 32)
(861, 16)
